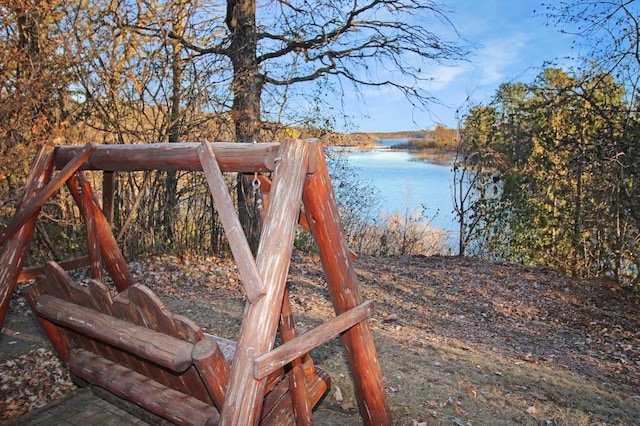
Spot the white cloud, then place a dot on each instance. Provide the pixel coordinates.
(512, 45)
(444, 76)
(499, 57)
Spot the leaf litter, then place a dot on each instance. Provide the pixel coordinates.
(460, 341)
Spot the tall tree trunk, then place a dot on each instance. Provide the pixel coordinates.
(247, 90)
(247, 80)
(462, 246)
(171, 206)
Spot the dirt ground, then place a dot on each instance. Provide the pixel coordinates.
(460, 341)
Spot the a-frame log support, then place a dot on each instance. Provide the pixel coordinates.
(14, 251)
(257, 335)
(300, 183)
(324, 221)
(16, 237)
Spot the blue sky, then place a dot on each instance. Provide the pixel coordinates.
(512, 44)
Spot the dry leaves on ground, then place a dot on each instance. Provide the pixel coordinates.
(460, 341)
(31, 380)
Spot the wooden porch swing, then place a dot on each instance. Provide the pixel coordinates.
(132, 346)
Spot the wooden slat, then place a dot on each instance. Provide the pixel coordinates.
(175, 406)
(143, 307)
(232, 157)
(232, 227)
(67, 265)
(322, 214)
(159, 348)
(244, 395)
(14, 251)
(285, 353)
(94, 295)
(31, 208)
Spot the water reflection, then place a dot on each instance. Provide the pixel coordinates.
(408, 182)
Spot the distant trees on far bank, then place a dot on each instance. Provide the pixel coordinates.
(441, 138)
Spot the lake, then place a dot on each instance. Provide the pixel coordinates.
(406, 182)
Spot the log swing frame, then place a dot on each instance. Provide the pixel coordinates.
(300, 192)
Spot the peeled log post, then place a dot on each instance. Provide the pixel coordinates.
(213, 369)
(231, 224)
(108, 194)
(16, 248)
(232, 157)
(244, 396)
(82, 194)
(322, 214)
(297, 388)
(113, 259)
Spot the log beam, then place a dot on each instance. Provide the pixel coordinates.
(232, 157)
(181, 409)
(160, 348)
(287, 352)
(231, 223)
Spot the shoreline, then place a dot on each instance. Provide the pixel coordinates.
(444, 157)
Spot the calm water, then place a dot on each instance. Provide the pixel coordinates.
(405, 182)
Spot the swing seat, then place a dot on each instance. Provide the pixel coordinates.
(132, 346)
